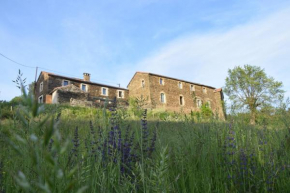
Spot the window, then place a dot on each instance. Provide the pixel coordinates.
(84, 87)
(105, 91)
(65, 82)
(180, 85)
(161, 81)
(192, 87)
(198, 103)
(120, 94)
(204, 90)
(41, 87)
(162, 98)
(143, 83)
(209, 104)
(181, 100)
(40, 99)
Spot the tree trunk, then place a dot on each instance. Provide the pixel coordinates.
(253, 117)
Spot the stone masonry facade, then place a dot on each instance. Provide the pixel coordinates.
(160, 92)
(173, 94)
(48, 84)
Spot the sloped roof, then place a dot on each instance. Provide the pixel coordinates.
(80, 80)
(170, 78)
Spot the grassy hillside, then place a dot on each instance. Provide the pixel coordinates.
(73, 149)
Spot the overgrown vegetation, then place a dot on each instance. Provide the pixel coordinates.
(250, 87)
(58, 149)
(54, 148)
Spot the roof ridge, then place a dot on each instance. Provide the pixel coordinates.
(83, 81)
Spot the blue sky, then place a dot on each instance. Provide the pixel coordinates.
(192, 40)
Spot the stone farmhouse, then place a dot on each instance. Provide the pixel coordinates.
(159, 91)
(175, 94)
(52, 88)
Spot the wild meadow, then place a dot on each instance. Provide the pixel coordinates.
(73, 149)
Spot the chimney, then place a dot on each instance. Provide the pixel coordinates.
(86, 76)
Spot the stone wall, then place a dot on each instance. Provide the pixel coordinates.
(172, 92)
(93, 90)
(151, 91)
(137, 90)
(81, 103)
(43, 78)
(50, 82)
(64, 97)
(219, 105)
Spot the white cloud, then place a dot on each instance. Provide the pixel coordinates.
(205, 58)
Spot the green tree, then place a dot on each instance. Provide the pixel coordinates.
(206, 111)
(31, 88)
(250, 87)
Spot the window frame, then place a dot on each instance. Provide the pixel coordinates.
(164, 98)
(40, 102)
(81, 85)
(209, 103)
(142, 83)
(197, 103)
(180, 86)
(123, 94)
(68, 82)
(107, 91)
(192, 88)
(161, 81)
(41, 87)
(204, 90)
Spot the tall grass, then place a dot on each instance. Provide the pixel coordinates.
(56, 149)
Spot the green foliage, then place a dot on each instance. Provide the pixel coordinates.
(19, 81)
(16, 101)
(38, 151)
(137, 105)
(206, 111)
(189, 157)
(8, 109)
(250, 87)
(5, 110)
(31, 88)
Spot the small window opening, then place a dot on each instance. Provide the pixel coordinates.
(41, 87)
(180, 85)
(161, 81)
(143, 83)
(40, 99)
(65, 83)
(181, 102)
(84, 87)
(192, 87)
(105, 91)
(162, 98)
(120, 94)
(199, 103)
(204, 90)
(209, 104)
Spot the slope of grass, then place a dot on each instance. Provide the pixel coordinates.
(59, 150)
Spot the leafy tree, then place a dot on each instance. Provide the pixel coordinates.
(31, 88)
(16, 101)
(250, 87)
(206, 111)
